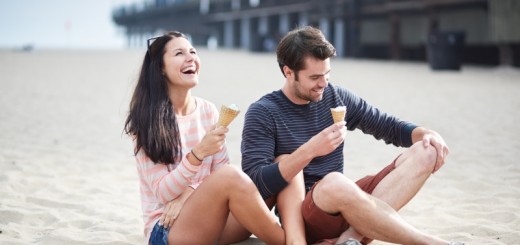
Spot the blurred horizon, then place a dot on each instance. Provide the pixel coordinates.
(61, 24)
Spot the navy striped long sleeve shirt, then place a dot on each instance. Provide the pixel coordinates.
(274, 126)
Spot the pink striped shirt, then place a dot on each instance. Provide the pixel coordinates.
(161, 183)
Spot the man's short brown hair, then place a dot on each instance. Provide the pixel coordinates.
(300, 43)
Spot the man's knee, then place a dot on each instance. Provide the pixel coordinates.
(336, 188)
(424, 157)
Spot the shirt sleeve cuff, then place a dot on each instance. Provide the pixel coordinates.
(274, 181)
(407, 134)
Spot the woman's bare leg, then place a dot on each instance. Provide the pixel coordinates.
(289, 203)
(233, 232)
(205, 214)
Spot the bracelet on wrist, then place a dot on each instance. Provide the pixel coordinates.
(196, 157)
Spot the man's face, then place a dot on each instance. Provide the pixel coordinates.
(309, 83)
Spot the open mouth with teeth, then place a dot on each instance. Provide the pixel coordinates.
(190, 70)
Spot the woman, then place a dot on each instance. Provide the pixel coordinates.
(189, 193)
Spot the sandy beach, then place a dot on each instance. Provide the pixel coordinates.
(68, 174)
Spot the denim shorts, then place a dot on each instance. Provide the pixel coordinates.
(159, 235)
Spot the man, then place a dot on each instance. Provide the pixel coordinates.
(290, 146)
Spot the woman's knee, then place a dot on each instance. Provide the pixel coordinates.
(233, 178)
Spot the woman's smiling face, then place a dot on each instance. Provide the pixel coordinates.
(181, 63)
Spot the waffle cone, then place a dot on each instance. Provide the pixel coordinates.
(226, 116)
(338, 115)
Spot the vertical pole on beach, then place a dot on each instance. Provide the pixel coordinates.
(339, 36)
(353, 36)
(395, 36)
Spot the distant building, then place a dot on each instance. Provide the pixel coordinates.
(383, 29)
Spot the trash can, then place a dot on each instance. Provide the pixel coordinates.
(445, 50)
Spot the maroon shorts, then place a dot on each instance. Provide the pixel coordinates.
(321, 225)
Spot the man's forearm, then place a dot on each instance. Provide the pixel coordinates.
(417, 134)
(290, 165)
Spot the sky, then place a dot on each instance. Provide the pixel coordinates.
(61, 24)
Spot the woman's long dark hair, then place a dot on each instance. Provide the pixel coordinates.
(151, 119)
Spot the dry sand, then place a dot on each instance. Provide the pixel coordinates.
(68, 176)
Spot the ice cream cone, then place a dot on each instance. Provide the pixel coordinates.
(338, 113)
(227, 114)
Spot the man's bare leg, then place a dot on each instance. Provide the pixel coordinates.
(412, 170)
(370, 216)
